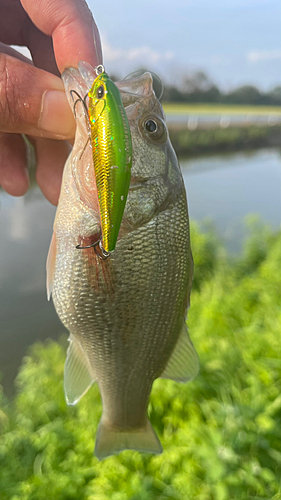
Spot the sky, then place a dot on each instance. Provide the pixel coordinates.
(236, 42)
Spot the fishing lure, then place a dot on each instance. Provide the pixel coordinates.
(112, 155)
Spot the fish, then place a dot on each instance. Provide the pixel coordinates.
(127, 314)
(112, 155)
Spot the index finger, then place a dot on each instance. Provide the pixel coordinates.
(71, 25)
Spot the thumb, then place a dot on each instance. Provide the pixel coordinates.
(33, 101)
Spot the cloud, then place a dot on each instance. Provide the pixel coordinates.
(255, 56)
(143, 54)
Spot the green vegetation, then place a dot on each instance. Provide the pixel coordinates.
(198, 87)
(221, 433)
(220, 109)
(219, 140)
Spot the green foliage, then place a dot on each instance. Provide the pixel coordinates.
(203, 141)
(221, 433)
(198, 87)
(220, 109)
(208, 253)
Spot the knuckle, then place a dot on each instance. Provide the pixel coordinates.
(7, 95)
(5, 92)
(15, 88)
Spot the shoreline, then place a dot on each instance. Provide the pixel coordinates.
(215, 140)
(183, 108)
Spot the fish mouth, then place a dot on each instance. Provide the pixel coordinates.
(131, 90)
(135, 89)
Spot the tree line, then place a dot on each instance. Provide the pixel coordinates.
(199, 88)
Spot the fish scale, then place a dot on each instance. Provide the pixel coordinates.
(107, 315)
(126, 315)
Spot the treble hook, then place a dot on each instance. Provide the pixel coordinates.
(102, 253)
(79, 100)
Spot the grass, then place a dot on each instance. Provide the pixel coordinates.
(221, 433)
(220, 109)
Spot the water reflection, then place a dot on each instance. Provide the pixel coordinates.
(25, 314)
(226, 188)
(194, 120)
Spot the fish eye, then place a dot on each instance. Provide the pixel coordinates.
(151, 126)
(100, 92)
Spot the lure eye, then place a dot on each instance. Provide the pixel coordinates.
(151, 126)
(100, 92)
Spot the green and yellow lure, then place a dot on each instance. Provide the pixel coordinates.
(112, 155)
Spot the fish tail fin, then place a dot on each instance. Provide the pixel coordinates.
(111, 440)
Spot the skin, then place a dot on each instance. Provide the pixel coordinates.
(59, 34)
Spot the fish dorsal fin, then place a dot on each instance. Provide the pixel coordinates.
(183, 365)
(77, 373)
(51, 264)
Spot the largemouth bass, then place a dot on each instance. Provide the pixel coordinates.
(127, 314)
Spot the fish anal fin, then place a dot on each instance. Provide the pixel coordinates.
(51, 264)
(77, 373)
(112, 440)
(183, 364)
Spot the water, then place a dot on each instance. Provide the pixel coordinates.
(223, 188)
(25, 314)
(227, 188)
(193, 120)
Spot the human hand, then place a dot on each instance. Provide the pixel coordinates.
(58, 33)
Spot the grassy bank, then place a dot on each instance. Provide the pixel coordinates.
(218, 140)
(220, 109)
(221, 433)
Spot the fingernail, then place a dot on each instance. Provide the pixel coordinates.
(56, 116)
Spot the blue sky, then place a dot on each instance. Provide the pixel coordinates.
(235, 41)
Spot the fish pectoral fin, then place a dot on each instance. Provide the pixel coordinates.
(183, 365)
(111, 440)
(50, 265)
(77, 373)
